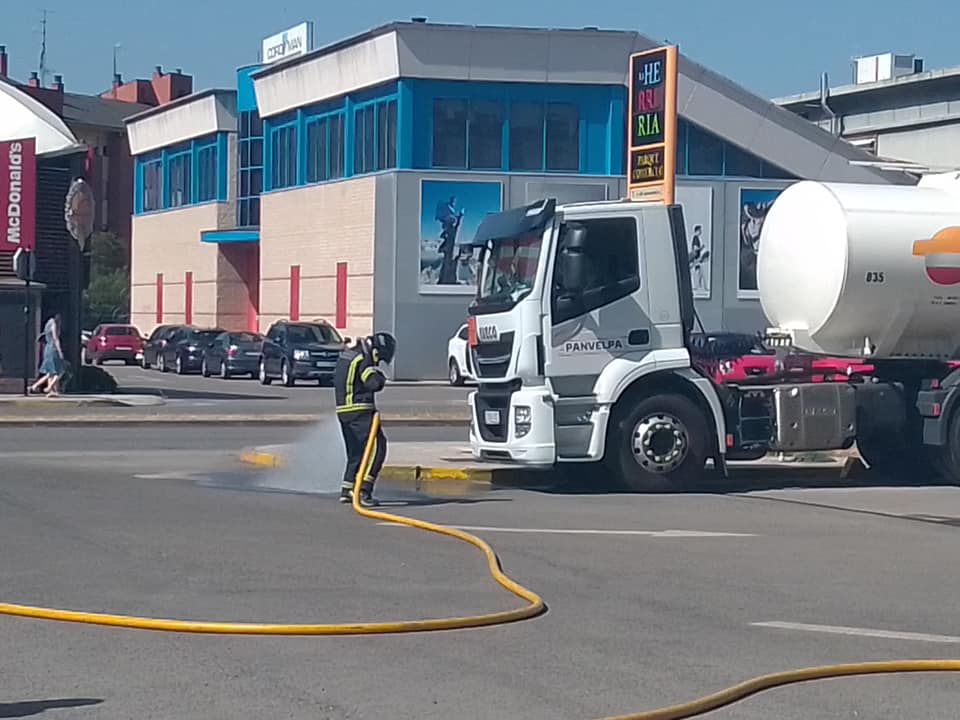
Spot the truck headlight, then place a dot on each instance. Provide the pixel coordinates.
(521, 420)
(301, 354)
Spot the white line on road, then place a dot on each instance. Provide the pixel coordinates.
(859, 632)
(568, 531)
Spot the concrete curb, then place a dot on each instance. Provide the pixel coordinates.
(26, 419)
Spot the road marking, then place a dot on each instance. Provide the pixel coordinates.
(570, 531)
(859, 632)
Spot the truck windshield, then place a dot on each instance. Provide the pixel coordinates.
(508, 270)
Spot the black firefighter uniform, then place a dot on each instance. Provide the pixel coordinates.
(357, 379)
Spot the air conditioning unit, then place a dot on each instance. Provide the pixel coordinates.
(886, 66)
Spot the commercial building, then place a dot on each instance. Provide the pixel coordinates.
(341, 182)
(894, 109)
(75, 136)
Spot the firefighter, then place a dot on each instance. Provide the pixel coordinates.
(357, 379)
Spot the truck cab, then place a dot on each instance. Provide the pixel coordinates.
(579, 336)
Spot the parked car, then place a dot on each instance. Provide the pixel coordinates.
(294, 351)
(459, 365)
(233, 353)
(113, 342)
(155, 343)
(184, 348)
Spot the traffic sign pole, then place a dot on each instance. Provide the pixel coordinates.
(26, 337)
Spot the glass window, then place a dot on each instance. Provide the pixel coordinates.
(741, 163)
(256, 181)
(486, 136)
(704, 152)
(563, 137)
(335, 147)
(245, 124)
(207, 173)
(526, 136)
(612, 267)
(255, 211)
(179, 193)
(256, 124)
(364, 139)
(284, 147)
(317, 150)
(256, 152)
(387, 135)
(152, 182)
(772, 171)
(450, 133)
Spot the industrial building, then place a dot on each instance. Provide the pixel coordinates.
(342, 182)
(893, 108)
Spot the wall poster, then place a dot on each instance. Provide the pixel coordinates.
(754, 206)
(450, 213)
(697, 205)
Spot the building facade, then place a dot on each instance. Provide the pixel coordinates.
(894, 109)
(355, 173)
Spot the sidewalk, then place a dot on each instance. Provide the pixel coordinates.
(449, 467)
(74, 401)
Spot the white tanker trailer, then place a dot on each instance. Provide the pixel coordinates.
(582, 336)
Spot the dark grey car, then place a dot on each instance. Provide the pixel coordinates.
(233, 353)
(300, 351)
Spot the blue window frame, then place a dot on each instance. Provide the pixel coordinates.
(151, 185)
(250, 164)
(283, 154)
(324, 147)
(375, 136)
(186, 174)
(179, 168)
(206, 172)
(702, 153)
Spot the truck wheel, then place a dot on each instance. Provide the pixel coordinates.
(660, 445)
(893, 457)
(947, 458)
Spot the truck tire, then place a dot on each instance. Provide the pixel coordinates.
(895, 458)
(659, 445)
(946, 459)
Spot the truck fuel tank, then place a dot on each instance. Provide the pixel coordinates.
(867, 271)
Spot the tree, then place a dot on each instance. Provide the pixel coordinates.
(107, 297)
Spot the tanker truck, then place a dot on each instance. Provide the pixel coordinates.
(582, 336)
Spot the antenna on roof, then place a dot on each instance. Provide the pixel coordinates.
(42, 67)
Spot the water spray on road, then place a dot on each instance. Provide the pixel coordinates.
(314, 464)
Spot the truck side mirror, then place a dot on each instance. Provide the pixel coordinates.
(573, 266)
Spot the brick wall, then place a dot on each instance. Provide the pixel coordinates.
(316, 227)
(169, 243)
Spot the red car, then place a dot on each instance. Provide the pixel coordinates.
(114, 342)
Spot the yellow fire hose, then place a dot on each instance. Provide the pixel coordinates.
(534, 607)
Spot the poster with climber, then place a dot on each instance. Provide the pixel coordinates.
(450, 212)
(697, 203)
(754, 206)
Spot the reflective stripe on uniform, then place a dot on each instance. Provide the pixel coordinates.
(351, 379)
(367, 373)
(354, 407)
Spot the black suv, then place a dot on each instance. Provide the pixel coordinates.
(300, 351)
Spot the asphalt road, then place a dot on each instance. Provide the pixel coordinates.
(652, 600)
(195, 394)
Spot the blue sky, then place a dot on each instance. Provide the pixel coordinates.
(772, 47)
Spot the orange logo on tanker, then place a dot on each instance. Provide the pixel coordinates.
(941, 255)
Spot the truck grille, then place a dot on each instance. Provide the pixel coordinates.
(496, 398)
(492, 360)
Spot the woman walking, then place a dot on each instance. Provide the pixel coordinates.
(52, 365)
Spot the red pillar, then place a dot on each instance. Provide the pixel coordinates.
(341, 319)
(294, 292)
(159, 298)
(188, 298)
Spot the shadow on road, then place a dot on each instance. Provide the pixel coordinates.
(595, 480)
(187, 394)
(29, 708)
